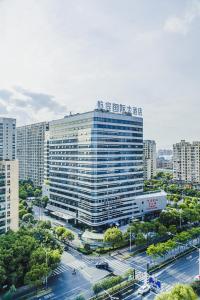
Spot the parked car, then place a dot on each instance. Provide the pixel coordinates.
(66, 248)
(102, 265)
(144, 290)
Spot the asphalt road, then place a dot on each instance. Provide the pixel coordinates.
(182, 270)
(67, 286)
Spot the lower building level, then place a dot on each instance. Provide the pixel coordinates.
(142, 207)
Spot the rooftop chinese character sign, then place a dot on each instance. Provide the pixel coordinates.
(119, 108)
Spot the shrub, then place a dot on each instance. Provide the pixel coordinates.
(107, 284)
(84, 251)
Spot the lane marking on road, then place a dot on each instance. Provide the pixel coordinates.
(72, 290)
(86, 273)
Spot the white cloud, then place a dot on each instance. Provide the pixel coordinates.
(182, 24)
(67, 54)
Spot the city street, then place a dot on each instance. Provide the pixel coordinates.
(182, 270)
(87, 274)
(67, 286)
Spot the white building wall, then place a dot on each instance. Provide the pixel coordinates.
(30, 152)
(9, 196)
(149, 159)
(186, 161)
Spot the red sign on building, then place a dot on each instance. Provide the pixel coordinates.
(152, 203)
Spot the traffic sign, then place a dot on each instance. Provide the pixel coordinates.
(158, 283)
(151, 280)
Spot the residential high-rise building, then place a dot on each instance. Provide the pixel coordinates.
(95, 171)
(149, 159)
(7, 139)
(30, 152)
(9, 195)
(8, 176)
(186, 161)
(195, 160)
(46, 156)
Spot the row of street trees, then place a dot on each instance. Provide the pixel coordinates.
(169, 222)
(168, 247)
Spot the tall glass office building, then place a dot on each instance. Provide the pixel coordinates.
(96, 166)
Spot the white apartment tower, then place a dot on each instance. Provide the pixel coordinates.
(8, 176)
(30, 152)
(149, 151)
(186, 161)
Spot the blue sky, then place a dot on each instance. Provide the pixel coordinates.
(58, 56)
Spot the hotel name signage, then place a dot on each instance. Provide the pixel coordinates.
(119, 108)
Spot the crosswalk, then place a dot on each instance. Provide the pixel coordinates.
(61, 269)
(118, 266)
(77, 264)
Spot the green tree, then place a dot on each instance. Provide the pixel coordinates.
(64, 234)
(2, 275)
(44, 224)
(179, 292)
(22, 212)
(140, 239)
(45, 201)
(36, 275)
(172, 229)
(30, 190)
(162, 230)
(113, 236)
(22, 194)
(170, 217)
(28, 217)
(37, 193)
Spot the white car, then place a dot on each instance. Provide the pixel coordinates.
(144, 290)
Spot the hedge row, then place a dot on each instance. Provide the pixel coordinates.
(107, 283)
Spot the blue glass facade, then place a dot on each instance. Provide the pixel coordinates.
(96, 166)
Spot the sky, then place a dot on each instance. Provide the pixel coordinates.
(62, 56)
